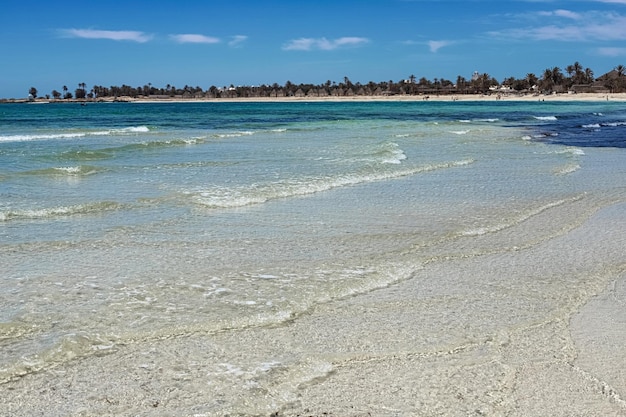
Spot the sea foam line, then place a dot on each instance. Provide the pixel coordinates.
(44, 213)
(245, 196)
(74, 135)
(520, 219)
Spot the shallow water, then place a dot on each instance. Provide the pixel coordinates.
(219, 258)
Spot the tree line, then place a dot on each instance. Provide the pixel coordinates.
(552, 80)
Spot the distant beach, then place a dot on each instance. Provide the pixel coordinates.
(592, 97)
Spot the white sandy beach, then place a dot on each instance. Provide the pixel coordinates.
(464, 97)
(591, 97)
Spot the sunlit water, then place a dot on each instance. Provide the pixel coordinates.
(124, 226)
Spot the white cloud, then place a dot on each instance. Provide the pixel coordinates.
(194, 38)
(237, 40)
(114, 35)
(612, 52)
(308, 44)
(589, 27)
(437, 45)
(567, 14)
(561, 13)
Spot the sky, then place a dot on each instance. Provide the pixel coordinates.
(47, 44)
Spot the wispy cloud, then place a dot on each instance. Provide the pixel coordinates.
(612, 52)
(114, 35)
(309, 44)
(591, 26)
(568, 14)
(237, 40)
(437, 45)
(194, 38)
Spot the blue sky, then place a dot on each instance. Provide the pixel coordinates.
(48, 44)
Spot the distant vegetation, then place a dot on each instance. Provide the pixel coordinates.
(553, 80)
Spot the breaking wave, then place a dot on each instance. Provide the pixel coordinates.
(52, 212)
(258, 194)
(133, 130)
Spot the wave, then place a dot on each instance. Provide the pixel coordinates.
(74, 135)
(550, 118)
(73, 171)
(485, 120)
(62, 211)
(245, 196)
(390, 153)
(70, 347)
(605, 124)
(566, 169)
(520, 219)
(614, 124)
(162, 143)
(571, 151)
(232, 134)
(80, 155)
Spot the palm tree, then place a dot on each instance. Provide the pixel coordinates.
(461, 84)
(619, 81)
(531, 79)
(552, 77)
(546, 80)
(578, 72)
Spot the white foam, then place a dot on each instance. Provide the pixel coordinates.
(258, 194)
(234, 134)
(571, 151)
(522, 218)
(567, 169)
(396, 157)
(73, 135)
(614, 124)
(545, 117)
(26, 138)
(69, 170)
(43, 213)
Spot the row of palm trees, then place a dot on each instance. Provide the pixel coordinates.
(551, 80)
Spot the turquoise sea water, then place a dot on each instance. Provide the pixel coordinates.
(123, 225)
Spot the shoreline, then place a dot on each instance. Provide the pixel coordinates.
(590, 97)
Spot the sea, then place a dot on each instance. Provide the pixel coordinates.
(310, 258)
